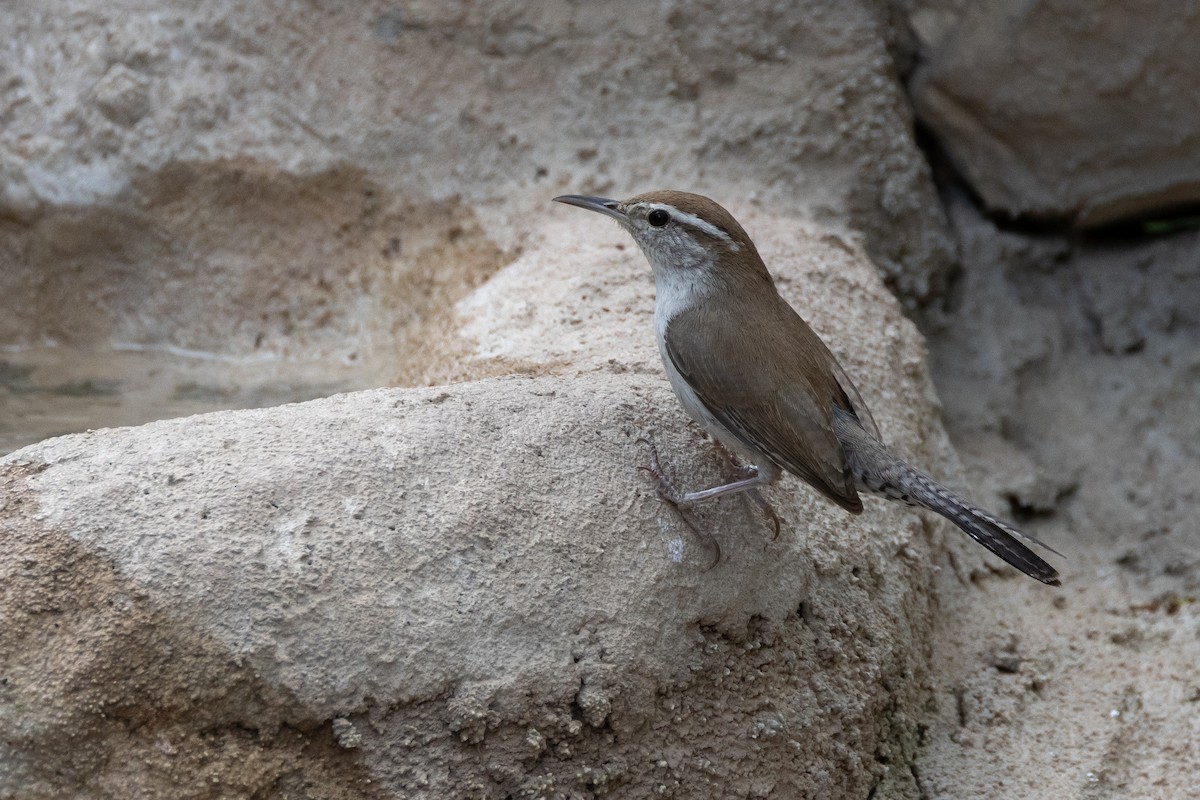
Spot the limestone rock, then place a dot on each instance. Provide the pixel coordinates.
(470, 589)
(1069, 112)
(209, 141)
(472, 585)
(467, 590)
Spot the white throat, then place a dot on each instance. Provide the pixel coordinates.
(678, 288)
(676, 291)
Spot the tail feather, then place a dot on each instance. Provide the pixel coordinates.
(876, 470)
(1004, 526)
(981, 526)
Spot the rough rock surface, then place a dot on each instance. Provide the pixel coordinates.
(470, 590)
(1069, 372)
(1064, 111)
(201, 607)
(368, 183)
(238, 149)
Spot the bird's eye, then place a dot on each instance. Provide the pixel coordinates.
(658, 218)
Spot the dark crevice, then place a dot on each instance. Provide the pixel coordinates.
(916, 776)
(951, 184)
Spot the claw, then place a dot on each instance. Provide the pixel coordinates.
(667, 491)
(765, 505)
(662, 483)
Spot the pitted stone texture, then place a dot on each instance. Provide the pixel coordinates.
(455, 591)
(144, 153)
(470, 589)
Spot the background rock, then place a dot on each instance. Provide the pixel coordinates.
(1063, 111)
(240, 149)
(1069, 375)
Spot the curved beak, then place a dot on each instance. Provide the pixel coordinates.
(610, 208)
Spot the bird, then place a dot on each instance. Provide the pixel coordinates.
(748, 368)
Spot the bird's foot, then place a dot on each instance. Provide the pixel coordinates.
(740, 471)
(666, 489)
(769, 512)
(674, 498)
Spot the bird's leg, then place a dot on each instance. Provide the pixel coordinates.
(686, 500)
(757, 477)
(743, 471)
(744, 485)
(740, 470)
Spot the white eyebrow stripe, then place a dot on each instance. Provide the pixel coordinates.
(700, 224)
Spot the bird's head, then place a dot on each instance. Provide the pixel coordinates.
(681, 233)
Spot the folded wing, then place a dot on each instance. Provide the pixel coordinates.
(772, 388)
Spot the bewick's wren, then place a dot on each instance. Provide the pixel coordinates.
(755, 375)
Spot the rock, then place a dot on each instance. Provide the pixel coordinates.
(229, 157)
(1067, 366)
(122, 95)
(470, 590)
(1066, 112)
(425, 576)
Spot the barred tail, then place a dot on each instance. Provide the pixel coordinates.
(991, 532)
(876, 470)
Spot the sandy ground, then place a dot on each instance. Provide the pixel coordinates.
(1069, 374)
